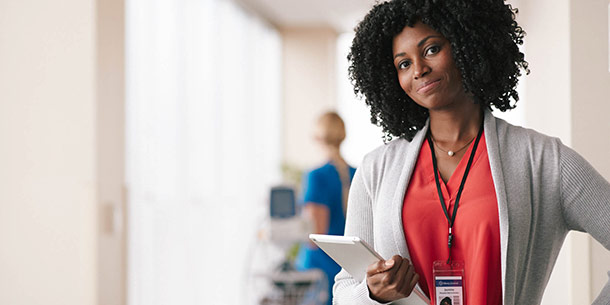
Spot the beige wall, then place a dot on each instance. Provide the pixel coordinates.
(47, 131)
(61, 151)
(309, 88)
(111, 197)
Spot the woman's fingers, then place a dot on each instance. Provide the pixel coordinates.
(402, 278)
(381, 266)
(391, 279)
(411, 278)
(392, 271)
(414, 281)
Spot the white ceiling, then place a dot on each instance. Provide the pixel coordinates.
(342, 15)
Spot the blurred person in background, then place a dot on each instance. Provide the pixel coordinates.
(325, 196)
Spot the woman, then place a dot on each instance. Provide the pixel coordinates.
(326, 189)
(459, 192)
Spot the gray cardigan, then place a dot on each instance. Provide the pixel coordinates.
(544, 189)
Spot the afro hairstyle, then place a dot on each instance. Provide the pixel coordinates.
(485, 41)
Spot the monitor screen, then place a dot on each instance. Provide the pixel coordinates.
(282, 202)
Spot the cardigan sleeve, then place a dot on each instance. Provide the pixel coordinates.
(359, 222)
(586, 202)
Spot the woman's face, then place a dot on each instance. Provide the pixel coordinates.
(426, 70)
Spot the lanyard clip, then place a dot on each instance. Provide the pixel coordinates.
(450, 238)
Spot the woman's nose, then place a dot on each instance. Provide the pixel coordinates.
(421, 69)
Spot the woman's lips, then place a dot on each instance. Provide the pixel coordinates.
(427, 86)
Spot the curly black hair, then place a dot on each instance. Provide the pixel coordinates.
(484, 39)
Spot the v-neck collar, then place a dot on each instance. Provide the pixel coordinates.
(495, 163)
(450, 188)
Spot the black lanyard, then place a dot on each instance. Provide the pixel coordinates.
(451, 220)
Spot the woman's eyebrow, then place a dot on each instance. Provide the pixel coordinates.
(419, 44)
(426, 39)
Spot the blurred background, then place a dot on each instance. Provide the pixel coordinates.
(139, 140)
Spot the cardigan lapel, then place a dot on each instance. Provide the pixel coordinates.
(495, 163)
(410, 154)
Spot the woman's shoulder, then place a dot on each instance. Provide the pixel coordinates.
(509, 134)
(322, 169)
(391, 147)
(527, 146)
(388, 154)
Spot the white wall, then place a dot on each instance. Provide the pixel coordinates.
(47, 155)
(362, 136)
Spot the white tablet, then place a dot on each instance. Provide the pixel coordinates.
(350, 252)
(355, 255)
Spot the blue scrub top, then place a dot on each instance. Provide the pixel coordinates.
(323, 186)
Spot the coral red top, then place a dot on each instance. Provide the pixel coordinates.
(476, 231)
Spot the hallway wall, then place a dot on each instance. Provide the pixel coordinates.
(48, 155)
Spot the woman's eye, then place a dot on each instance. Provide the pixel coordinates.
(432, 50)
(404, 64)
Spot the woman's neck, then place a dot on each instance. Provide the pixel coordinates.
(457, 125)
(334, 154)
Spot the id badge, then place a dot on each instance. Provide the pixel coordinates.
(448, 282)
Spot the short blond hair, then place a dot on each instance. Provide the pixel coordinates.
(330, 129)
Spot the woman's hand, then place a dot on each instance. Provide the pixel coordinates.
(391, 280)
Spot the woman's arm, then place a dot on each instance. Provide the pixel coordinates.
(359, 223)
(319, 217)
(585, 202)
